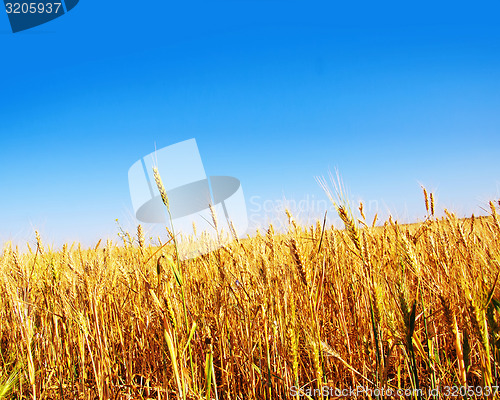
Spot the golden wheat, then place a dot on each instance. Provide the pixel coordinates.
(396, 306)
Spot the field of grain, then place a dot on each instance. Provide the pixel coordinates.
(269, 317)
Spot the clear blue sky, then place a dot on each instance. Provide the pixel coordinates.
(393, 94)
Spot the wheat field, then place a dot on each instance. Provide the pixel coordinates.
(311, 313)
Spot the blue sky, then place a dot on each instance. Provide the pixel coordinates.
(392, 94)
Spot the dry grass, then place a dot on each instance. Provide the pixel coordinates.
(390, 307)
